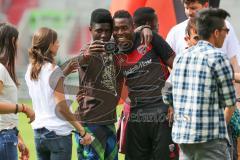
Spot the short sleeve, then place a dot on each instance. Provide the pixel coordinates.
(55, 76)
(162, 48)
(2, 73)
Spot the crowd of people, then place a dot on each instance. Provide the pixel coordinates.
(182, 91)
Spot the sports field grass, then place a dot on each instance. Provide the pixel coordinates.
(27, 134)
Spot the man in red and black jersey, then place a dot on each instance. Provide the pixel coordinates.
(144, 70)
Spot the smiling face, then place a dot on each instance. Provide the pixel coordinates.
(101, 31)
(123, 29)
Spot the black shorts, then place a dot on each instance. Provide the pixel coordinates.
(150, 141)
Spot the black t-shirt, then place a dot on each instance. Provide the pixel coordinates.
(145, 71)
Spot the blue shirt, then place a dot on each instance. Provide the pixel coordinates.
(199, 88)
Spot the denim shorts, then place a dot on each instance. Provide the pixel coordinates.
(8, 144)
(50, 146)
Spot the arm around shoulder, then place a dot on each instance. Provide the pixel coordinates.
(163, 50)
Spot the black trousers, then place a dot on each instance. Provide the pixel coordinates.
(150, 140)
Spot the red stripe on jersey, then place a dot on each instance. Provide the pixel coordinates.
(133, 57)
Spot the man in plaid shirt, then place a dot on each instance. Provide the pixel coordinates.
(201, 91)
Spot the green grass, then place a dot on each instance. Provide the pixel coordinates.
(27, 134)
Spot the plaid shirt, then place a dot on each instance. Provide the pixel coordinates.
(199, 88)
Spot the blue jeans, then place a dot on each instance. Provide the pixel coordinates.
(50, 146)
(8, 144)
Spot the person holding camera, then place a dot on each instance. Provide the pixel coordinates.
(99, 90)
(98, 93)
